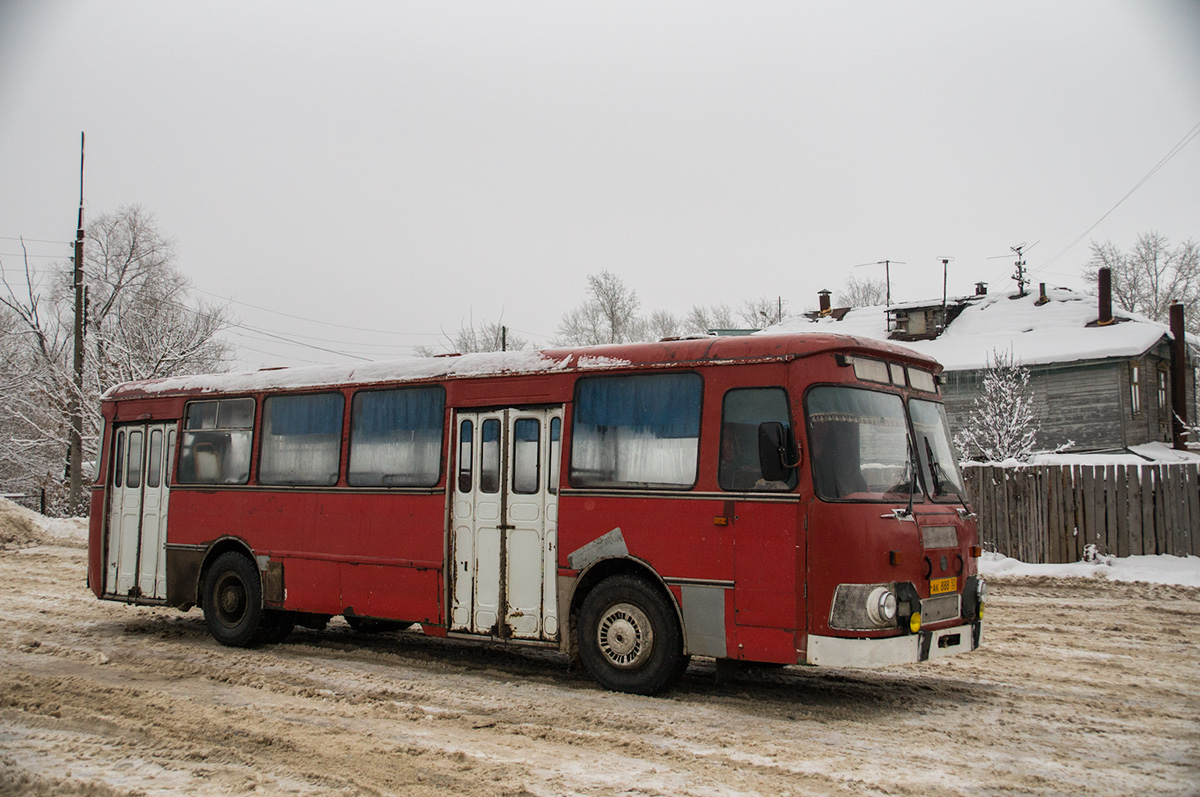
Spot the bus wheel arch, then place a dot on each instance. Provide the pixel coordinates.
(626, 627)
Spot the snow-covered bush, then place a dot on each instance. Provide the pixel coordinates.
(1002, 423)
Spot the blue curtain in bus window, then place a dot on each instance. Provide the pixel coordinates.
(301, 439)
(396, 437)
(636, 431)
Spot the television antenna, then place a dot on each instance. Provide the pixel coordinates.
(1021, 275)
(887, 274)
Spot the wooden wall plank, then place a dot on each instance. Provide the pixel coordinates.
(1135, 510)
(1194, 508)
(1120, 517)
(1077, 474)
(1162, 537)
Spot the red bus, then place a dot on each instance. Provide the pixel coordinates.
(781, 499)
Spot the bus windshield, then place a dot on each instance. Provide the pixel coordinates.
(938, 467)
(860, 444)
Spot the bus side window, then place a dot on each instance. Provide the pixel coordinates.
(133, 465)
(526, 453)
(301, 439)
(464, 456)
(217, 437)
(489, 468)
(634, 431)
(555, 454)
(743, 411)
(119, 464)
(396, 437)
(154, 461)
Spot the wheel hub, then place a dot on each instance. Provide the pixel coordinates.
(624, 636)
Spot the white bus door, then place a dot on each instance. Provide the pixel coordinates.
(505, 523)
(139, 484)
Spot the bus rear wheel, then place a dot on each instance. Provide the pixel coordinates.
(233, 606)
(629, 638)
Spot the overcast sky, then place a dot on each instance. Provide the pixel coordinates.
(404, 167)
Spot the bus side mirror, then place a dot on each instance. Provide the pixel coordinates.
(775, 451)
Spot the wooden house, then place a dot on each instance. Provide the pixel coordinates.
(1101, 381)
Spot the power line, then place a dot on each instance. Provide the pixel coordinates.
(1183, 142)
(26, 254)
(314, 320)
(34, 240)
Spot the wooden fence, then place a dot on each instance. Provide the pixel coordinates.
(1051, 513)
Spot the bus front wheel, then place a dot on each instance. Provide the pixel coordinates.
(233, 606)
(629, 638)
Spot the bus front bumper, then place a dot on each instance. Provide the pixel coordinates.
(826, 651)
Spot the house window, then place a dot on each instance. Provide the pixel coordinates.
(1135, 389)
(1164, 409)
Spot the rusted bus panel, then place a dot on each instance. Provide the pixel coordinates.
(273, 585)
(183, 576)
(96, 520)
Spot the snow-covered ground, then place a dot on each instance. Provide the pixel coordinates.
(1084, 684)
(1183, 571)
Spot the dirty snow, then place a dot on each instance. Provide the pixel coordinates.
(1084, 685)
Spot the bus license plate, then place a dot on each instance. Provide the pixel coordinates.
(939, 585)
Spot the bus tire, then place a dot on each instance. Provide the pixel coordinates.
(233, 606)
(629, 637)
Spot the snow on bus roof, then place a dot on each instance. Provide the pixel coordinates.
(1056, 331)
(399, 370)
(413, 369)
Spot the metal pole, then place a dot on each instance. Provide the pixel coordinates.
(75, 403)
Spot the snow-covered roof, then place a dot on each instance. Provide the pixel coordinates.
(669, 352)
(407, 369)
(1054, 332)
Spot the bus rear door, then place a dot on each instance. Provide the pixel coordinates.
(505, 523)
(136, 536)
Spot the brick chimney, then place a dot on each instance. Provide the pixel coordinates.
(823, 297)
(1105, 282)
(1179, 370)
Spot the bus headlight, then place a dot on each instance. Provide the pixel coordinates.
(865, 607)
(881, 606)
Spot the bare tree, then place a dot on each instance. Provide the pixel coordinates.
(862, 293)
(609, 314)
(1152, 276)
(762, 312)
(702, 318)
(488, 336)
(663, 324)
(142, 323)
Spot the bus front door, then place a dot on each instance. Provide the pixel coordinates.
(505, 523)
(139, 483)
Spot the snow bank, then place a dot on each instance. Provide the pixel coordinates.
(21, 527)
(1183, 571)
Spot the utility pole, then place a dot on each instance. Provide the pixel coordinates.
(75, 400)
(1019, 275)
